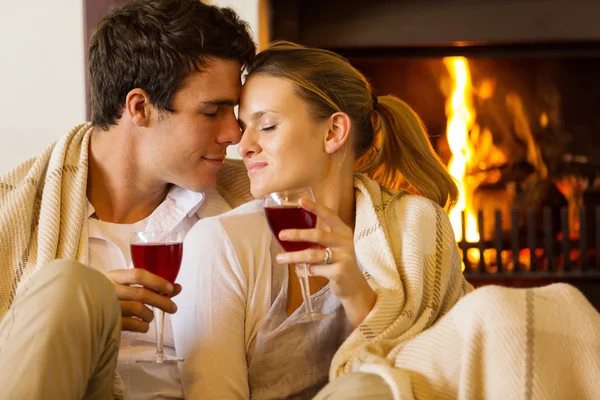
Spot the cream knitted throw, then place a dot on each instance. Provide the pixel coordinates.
(43, 208)
(407, 247)
(494, 343)
(501, 343)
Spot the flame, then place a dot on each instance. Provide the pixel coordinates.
(473, 151)
(461, 118)
(544, 119)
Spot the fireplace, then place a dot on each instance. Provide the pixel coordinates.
(508, 91)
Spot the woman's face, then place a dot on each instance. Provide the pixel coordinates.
(282, 146)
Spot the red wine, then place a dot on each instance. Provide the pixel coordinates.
(290, 217)
(162, 259)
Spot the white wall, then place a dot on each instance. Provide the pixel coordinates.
(42, 77)
(42, 89)
(248, 10)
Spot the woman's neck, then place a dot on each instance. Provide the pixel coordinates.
(337, 193)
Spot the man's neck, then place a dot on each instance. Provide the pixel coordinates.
(117, 188)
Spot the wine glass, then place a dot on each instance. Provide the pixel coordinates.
(283, 211)
(159, 253)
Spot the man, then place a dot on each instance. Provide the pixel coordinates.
(164, 77)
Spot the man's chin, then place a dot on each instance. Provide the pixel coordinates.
(199, 187)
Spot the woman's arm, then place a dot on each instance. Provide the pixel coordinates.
(209, 324)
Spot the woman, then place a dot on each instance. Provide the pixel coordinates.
(310, 119)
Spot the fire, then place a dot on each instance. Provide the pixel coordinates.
(474, 154)
(461, 118)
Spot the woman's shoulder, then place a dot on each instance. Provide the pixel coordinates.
(404, 201)
(245, 224)
(247, 216)
(238, 243)
(398, 200)
(418, 212)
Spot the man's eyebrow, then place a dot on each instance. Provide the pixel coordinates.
(220, 102)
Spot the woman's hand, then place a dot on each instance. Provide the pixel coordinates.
(346, 279)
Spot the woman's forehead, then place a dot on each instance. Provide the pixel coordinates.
(265, 94)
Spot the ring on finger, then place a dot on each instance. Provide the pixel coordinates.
(328, 256)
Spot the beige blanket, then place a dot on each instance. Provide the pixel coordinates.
(42, 210)
(406, 246)
(494, 343)
(501, 343)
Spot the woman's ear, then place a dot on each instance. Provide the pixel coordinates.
(339, 127)
(138, 107)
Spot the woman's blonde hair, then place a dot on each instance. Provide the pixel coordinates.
(389, 141)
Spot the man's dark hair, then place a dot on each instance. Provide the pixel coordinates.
(154, 45)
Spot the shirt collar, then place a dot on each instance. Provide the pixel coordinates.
(179, 204)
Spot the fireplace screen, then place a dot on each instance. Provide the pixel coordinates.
(520, 136)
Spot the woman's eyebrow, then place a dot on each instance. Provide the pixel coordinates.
(256, 115)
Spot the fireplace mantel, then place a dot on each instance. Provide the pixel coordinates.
(392, 23)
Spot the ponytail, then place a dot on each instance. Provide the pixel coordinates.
(402, 157)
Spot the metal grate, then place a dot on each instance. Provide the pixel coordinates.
(527, 252)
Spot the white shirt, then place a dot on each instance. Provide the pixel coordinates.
(231, 325)
(109, 250)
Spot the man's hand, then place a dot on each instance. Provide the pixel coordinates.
(134, 300)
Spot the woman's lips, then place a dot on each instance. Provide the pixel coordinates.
(255, 167)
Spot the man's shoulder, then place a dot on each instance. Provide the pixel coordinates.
(16, 175)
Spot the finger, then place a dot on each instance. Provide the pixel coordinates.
(324, 213)
(176, 291)
(146, 296)
(139, 276)
(318, 236)
(136, 309)
(329, 271)
(134, 325)
(310, 256)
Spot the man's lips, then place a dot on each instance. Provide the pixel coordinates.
(255, 166)
(217, 160)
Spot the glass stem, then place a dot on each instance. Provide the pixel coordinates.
(302, 273)
(159, 323)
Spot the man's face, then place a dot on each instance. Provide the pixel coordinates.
(188, 146)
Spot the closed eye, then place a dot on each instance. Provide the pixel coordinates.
(268, 128)
(211, 111)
